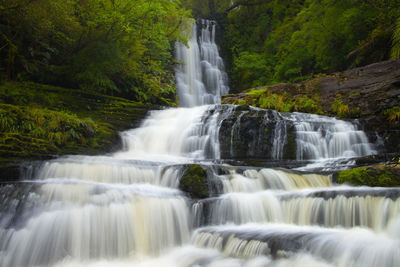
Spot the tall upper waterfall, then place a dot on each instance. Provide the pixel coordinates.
(201, 78)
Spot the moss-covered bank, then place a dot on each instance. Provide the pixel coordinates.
(382, 175)
(40, 121)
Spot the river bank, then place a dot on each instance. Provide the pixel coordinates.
(43, 122)
(40, 122)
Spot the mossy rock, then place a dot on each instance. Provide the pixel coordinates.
(194, 182)
(375, 175)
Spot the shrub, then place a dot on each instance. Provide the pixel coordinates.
(58, 127)
(392, 114)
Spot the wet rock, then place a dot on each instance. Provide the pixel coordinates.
(368, 92)
(251, 133)
(194, 181)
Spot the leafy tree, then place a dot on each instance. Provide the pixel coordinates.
(121, 47)
(269, 41)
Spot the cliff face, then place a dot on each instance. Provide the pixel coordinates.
(370, 93)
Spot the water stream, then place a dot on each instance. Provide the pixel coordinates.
(126, 208)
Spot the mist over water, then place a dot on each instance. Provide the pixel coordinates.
(126, 208)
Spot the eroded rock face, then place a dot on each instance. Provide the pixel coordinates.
(368, 92)
(256, 133)
(372, 88)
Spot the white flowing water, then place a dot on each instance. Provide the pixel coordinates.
(320, 137)
(126, 209)
(201, 78)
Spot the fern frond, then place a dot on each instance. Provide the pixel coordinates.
(395, 52)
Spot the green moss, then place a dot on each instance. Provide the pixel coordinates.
(255, 93)
(282, 102)
(371, 176)
(241, 102)
(194, 182)
(38, 120)
(57, 127)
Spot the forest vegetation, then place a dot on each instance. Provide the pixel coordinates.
(125, 48)
(272, 41)
(115, 47)
(64, 63)
(52, 50)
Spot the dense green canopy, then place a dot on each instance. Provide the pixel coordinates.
(271, 41)
(125, 47)
(121, 47)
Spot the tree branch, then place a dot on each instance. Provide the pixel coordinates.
(242, 3)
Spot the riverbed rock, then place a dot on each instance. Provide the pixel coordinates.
(194, 182)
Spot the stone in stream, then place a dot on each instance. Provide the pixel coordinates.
(194, 181)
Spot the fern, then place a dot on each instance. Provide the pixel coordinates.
(393, 114)
(257, 92)
(395, 52)
(39, 132)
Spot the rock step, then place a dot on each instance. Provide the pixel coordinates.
(353, 247)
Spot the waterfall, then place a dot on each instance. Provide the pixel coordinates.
(358, 247)
(320, 137)
(127, 208)
(267, 134)
(201, 78)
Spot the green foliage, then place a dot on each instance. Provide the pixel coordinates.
(384, 177)
(274, 101)
(263, 98)
(256, 93)
(392, 114)
(342, 109)
(307, 105)
(40, 120)
(268, 42)
(252, 69)
(395, 52)
(58, 127)
(117, 47)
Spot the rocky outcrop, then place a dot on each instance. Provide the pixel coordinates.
(371, 89)
(368, 93)
(199, 181)
(194, 182)
(250, 133)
